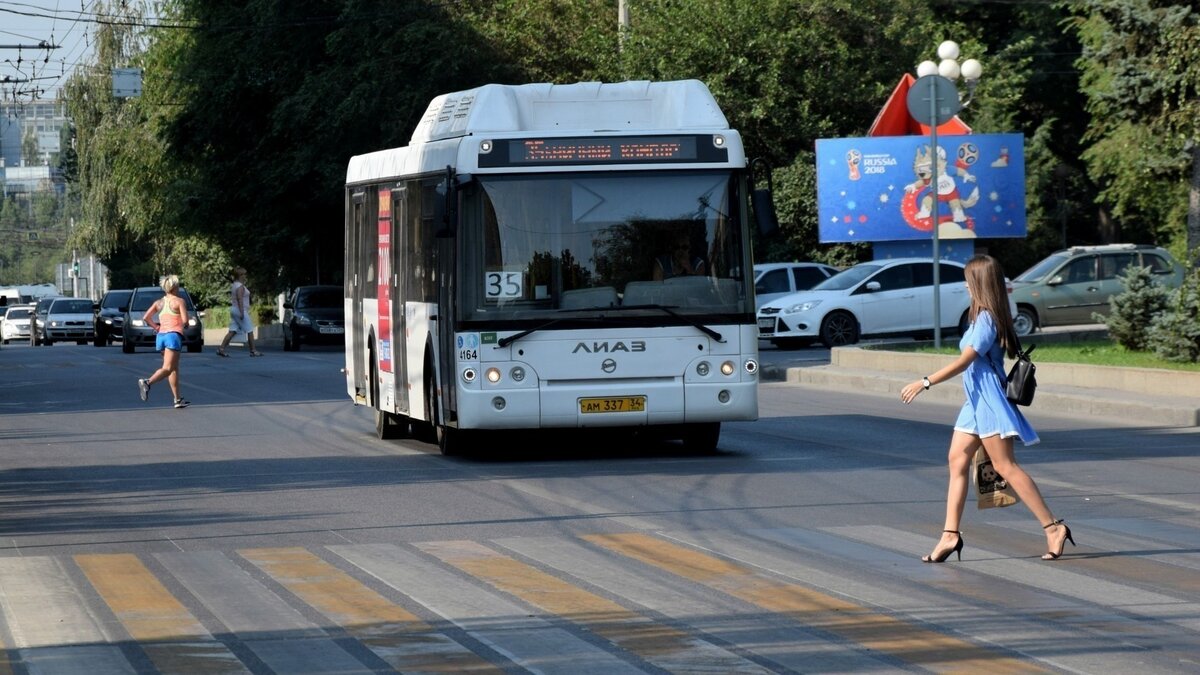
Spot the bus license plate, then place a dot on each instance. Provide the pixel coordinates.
(612, 404)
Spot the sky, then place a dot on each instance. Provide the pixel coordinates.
(69, 24)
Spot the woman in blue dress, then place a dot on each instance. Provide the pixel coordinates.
(987, 418)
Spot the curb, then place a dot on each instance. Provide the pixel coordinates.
(1150, 396)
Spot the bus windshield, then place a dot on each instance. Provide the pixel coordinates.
(541, 245)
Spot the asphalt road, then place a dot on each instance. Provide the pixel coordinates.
(265, 529)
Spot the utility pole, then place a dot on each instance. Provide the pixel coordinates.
(622, 22)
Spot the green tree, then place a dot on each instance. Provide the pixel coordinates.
(1141, 76)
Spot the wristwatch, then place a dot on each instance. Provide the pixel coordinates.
(927, 384)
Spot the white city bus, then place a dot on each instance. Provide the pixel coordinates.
(511, 267)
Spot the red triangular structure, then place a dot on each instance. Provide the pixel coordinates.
(894, 120)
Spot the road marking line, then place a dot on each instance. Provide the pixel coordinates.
(666, 647)
(909, 643)
(396, 635)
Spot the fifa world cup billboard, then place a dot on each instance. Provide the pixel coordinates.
(879, 188)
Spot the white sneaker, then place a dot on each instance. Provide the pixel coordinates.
(144, 389)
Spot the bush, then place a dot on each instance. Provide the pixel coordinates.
(1175, 334)
(1132, 311)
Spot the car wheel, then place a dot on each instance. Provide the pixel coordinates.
(127, 346)
(287, 343)
(195, 348)
(839, 329)
(100, 339)
(1025, 322)
(47, 342)
(702, 438)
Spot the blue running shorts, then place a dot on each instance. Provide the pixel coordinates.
(172, 341)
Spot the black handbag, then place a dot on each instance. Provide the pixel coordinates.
(1022, 377)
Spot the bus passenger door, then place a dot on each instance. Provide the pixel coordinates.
(357, 250)
(399, 298)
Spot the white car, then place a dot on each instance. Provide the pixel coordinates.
(872, 299)
(15, 325)
(775, 280)
(69, 320)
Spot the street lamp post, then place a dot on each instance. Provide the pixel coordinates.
(934, 100)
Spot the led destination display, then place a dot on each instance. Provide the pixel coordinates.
(602, 150)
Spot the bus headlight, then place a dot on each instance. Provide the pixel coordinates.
(468, 375)
(517, 374)
(751, 366)
(493, 375)
(718, 140)
(727, 368)
(485, 147)
(702, 368)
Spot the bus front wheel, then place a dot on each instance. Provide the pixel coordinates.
(702, 438)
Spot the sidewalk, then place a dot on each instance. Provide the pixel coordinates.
(1150, 396)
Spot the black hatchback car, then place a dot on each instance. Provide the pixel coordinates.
(137, 333)
(314, 315)
(111, 316)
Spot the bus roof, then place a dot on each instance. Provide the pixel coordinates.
(499, 111)
(681, 105)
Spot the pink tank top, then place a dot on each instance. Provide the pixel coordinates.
(170, 318)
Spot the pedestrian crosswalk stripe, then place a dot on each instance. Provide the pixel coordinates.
(147, 610)
(530, 642)
(907, 642)
(716, 615)
(396, 635)
(176, 641)
(666, 647)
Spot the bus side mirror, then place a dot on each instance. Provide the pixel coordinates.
(762, 199)
(445, 227)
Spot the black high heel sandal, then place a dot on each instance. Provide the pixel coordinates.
(941, 557)
(1051, 555)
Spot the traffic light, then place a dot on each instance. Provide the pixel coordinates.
(75, 268)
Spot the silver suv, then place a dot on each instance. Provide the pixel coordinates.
(1070, 285)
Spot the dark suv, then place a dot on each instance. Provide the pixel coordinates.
(135, 332)
(314, 315)
(111, 316)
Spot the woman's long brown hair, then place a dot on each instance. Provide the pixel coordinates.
(985, 281)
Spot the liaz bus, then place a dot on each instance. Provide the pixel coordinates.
(554, 256)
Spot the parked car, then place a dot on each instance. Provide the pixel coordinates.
(68, 320)
(137, 333)
(110, 317)
(872, 299)
(16, 323)
(1068, 286)
(37, 320)
(314, 315)
(775, 280)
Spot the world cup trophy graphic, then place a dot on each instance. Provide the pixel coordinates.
(853, 159)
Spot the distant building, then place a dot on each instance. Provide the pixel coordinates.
(43, 121)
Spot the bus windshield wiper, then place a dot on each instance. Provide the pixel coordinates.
(671, 310)
(504, 342)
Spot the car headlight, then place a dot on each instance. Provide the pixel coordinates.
(54, 324)
(108, 321)
(303, 320)
(801, 307)
(138, 322)
(192, 321)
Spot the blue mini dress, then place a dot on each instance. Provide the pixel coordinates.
(987, 411)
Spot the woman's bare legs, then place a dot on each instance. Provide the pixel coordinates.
(962, 449)
(1000, 450)
(169, 370)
